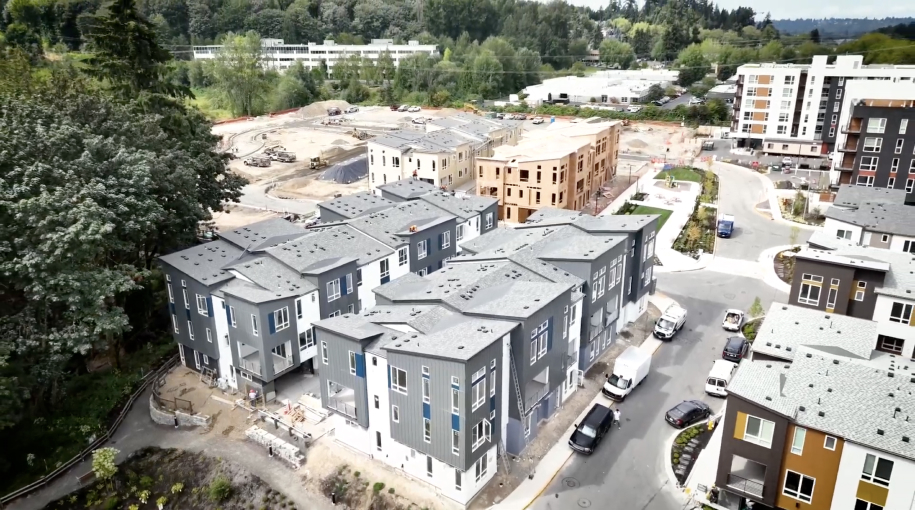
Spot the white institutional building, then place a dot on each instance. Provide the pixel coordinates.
(279, 55)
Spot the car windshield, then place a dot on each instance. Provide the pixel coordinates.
(733, 345)
(665, 324)
(588, 431)
(618, 382)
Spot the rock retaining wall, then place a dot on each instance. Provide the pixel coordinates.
(164, 417)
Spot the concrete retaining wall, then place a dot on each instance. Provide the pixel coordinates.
(163, 417)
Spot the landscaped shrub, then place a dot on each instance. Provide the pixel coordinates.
(378, 487)
(220, 489)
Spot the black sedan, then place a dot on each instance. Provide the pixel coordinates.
(735, 349)
(688, 412)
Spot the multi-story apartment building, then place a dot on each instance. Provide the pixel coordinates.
(826, 432)
(440, 152)
(841, 278)
(794, 109)
(561, 166)
(875, 144)
(875, 217)
(280, 56)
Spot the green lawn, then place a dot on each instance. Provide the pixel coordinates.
(644, 209)
(681, 174)
(204, 100)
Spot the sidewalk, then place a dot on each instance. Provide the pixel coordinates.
(553, 462)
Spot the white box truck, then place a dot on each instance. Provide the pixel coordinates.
(629, 370)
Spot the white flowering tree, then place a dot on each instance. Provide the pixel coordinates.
(103, 463)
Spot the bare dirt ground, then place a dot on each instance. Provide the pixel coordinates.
(551, 433)
(236, 216)
(316, 189)
(658, 140)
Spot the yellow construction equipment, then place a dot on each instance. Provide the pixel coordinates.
(317, 162)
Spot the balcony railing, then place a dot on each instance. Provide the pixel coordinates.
(849, 146)
(251, 366)
(852, 127)
(746, 486)
(534, 397)
(342, 407)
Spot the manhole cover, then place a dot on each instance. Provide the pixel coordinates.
(584, 503)
(570, 482)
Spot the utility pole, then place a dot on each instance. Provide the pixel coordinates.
(419, 12)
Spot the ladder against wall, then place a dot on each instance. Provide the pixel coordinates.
(208, 376)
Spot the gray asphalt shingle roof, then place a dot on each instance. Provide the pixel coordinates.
(886, 218)
(270, 280)
(787, 327)
(257, 235)
(899, 266)
(856, 400)
(611, 223)
(204, 263)
(357, 204)
(324, 249)
(464, 206)
(851, 196)
(392, 226)
(408, 189)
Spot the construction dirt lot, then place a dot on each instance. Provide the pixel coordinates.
(309, 134)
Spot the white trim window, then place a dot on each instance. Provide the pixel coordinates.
(324, 352)
(797, 444)
(492, 382)
(759, 431)
(190, 330)
(352, 363)
(171, 296)
(877, 470)
(479, 394)
(446, 240)
(798, 486)
(456, 449)
(232, 316)
(459, 232)
(427, 385)
(899, 142)
(875, 125)
(868, 163)
(865, 180)
(479, 434)
(901, 313)
(349, 283)
(421, 250)
(810, 290)
(175, 323)
(533, 348)
(187, 303)
(254, 324)
(384, 267)
(480, 468)
(872, 144)
(427, 432)
(489, 220)
(859, 291)
(333, 290)
(402, 258)
(307, 339)
(830, 443)
(903, 125)
(202, 305)
(455, 400)
(398, 380)
(909, 185)
(298, 308)
(395, 414)
(281, 319)
(209, 336)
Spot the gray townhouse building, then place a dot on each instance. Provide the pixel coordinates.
(449, 370)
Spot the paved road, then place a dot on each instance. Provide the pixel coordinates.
(741, 190)
(684, 100)
(628, 468)
(255, 195)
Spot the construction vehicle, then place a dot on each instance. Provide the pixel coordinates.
(273, 149)
(283, 156)
(361, 135)
(257, 161)
(317, 162)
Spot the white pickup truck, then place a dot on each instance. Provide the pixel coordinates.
(733, 319)
(670, 322)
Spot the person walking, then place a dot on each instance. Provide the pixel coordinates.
(616, 418)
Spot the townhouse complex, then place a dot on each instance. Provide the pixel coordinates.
(562, 166)
(279, 55)
(440, 152)
(875, 145)
(875, 217)
(451, 370)
(794, 109)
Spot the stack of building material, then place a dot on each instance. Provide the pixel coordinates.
(276, 446)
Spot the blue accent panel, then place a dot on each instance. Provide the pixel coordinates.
(360, 365)
(385, 279)
(549, 335)
(271, 323)
(429, 246)
(228, 315)
(478, 378)
(389, 377)
(456, 387)
(343, 286)
(209, 306)
(492, 403)
(188, 313)
(171, 307)
(456, 422)
(427, 411)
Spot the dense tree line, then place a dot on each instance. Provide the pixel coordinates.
(102, 169)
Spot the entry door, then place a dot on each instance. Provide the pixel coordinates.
(197, 360)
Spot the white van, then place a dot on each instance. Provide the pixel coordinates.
(629, 369)
(718, 379)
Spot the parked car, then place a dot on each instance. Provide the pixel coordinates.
(696, 101)
(735, 349)
(395, 107)
(786, 161)
(352, 109)
(657, 103)
(720, 376)
(333, 111)
(538, 120)
(670, 322)
(521, 116)
(419, 120)
(733, 320)
(414, 109)
(665, 99)
(688, 412)
(403, 108)
(500, 116)
(634, 109)
(588, 434)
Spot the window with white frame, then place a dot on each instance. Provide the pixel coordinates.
(489, 220)
(209, 335)
(597, 284)
(492, 382)
(349, 283)
(171, 297)
(421, 250)
(385, 268)
(333, 290)
(455, 400)
(479, 468)
(187, 303)
(894, 167)
(427, 386)
(456, 447)
(901, 313)
(446, 240)
(335, 313)
(890, 182)
(877, 470)
(789, 80)
(232, 317)
(912, 166)
(395, 414)
(533, 348)
(752, 91)
(399, 380)
(909, 185)
(298, 308)
(759, 431)
(190, 330)
(459, 232)
(899, 142)
(865, 180)
(810, 289)
(427, 431)
(175, 323)
(830, 443)
(254, 330)
(859, 291)
(903, 126)
(324, 352)
(202, 305)
(788, 93)
(875, 125)
(352, 363)
(797, 443)
(872, 144)
(479, 394)
(281, 318)
(479, 434)
(843, 234)
(307, 339)
(798, 486)
(402, 257)
(868, 163)
(908, 246)
(781, 130)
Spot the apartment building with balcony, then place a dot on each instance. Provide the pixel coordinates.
(440, 152)
(794, 109)
(825, 432)
(838, 277)
(561, 166)
(875, 145)
(280, 56)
